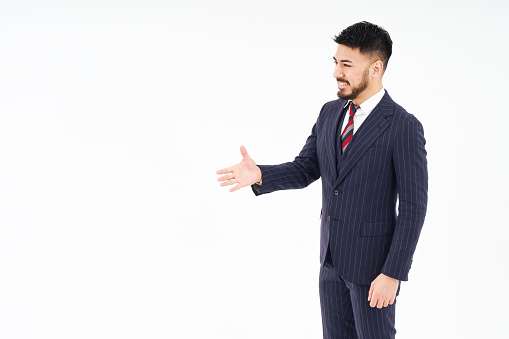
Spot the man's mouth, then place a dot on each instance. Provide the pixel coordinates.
(342, 84)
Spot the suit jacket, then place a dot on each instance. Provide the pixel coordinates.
(385, 161)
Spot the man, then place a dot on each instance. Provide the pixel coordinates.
(369, 152)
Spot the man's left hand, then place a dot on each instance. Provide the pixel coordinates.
(383, 291)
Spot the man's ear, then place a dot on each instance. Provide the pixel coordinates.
(377, 69)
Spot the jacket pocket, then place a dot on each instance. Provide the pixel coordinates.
(371, 229)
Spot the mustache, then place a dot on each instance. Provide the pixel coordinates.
(342, 80)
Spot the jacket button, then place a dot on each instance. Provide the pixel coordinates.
(336, 192)
(328, 218)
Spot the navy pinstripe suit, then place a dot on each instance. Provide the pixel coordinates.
(362, 233)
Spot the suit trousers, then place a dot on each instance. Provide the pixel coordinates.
(345, 308)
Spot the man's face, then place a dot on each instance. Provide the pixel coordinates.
(351, 72)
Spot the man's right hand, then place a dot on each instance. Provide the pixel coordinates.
(245, 173)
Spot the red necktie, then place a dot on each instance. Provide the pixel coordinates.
(347, 134)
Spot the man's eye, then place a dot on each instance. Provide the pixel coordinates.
(347, 65)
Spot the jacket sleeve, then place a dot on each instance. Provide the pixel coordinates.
(299, 173)
(410, 165)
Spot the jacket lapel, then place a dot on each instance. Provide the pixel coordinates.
(332, 141)
(374, 125)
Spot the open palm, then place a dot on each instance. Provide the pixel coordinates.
(245, 173)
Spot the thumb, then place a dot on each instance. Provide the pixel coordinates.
(370, 293)
(243, 151)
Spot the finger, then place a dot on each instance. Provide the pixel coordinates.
(370, 293)
(228, 182)
(374, 301)
(391, 301)
(225, 170)
(380, 304)
(386, 303)
(243, 151)
(225, 177)
(236, 187)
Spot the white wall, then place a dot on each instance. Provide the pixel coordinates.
(115, 115)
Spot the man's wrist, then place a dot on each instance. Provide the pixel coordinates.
(259, 182)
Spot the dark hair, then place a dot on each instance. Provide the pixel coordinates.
(369, 38)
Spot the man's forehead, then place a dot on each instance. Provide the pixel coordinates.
(347, 53)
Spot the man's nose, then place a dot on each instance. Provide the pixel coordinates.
(338, 73)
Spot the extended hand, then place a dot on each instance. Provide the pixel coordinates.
(245, 173)
(383, 291)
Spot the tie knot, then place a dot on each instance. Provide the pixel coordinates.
(354, 107)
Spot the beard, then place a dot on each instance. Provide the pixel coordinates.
(357, 89)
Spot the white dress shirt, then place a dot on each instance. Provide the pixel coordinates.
(363, 111)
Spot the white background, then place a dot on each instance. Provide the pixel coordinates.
(115, 116)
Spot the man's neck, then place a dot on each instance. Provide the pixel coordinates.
(367, 93)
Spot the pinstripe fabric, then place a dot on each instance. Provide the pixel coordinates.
(361, 233)
(385, 158)
(346, 312)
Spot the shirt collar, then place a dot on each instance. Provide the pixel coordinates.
(368, 105)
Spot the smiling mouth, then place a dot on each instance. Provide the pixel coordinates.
(342, 84)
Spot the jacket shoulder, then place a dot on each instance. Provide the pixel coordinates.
(402, 115)
(331, 106)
